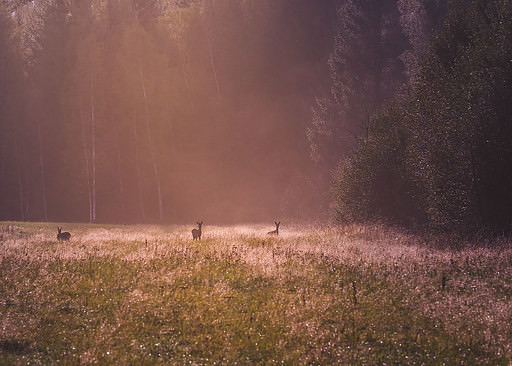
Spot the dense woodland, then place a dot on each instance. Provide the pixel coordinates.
(439, 155)
(159, 111)
(248, 110)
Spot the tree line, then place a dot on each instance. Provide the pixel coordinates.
(153, 111)
(437, 153)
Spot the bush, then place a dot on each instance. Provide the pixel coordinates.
(373, 183)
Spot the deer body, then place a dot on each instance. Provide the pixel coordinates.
(276, 231)
(196, 233)
(63, 236)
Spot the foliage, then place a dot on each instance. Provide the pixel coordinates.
(374, 182)
(365, 71)
(455, 128)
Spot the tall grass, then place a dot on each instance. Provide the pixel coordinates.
(151, 295)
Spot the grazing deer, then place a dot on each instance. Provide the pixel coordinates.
(63, 236)
(276, 231)
(196, 233)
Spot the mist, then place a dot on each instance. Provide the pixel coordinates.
(144, 111)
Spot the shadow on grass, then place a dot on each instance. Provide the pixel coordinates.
(16, 346)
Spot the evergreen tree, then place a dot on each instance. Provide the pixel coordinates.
(451, 164)
(365, 71)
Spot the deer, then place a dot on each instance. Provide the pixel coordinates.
(196, 233)
(276, 231)
(62, 236)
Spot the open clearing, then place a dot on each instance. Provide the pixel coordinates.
(151, 295)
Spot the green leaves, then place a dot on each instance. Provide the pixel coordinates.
(445, 146)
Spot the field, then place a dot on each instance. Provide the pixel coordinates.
(150, 295)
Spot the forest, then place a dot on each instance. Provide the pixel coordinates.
(347, 163)
(147, 111)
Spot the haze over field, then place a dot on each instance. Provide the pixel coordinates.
(229, 111)
(347, 162)
(162, 111)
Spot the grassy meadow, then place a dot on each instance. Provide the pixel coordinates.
(150, 295)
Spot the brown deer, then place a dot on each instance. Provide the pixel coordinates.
(62, 236)
(276, 231)
(196, 233)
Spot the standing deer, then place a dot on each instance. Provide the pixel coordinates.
(196, 233)
(276, 231)
(62, 236)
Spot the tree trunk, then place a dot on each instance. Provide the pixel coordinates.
(3, 211)
(41, 166)
(172, 147)
(151, 149)
(93, 149)
(87, 163)
(119, 170)
(3, 195)
(3, 176)
(184, 66)
(27, 187)
(212, 63)
(21, 195)
(207, 31)
(137, 169)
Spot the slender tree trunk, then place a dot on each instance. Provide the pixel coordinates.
(41, 166)
(21, 195)
(2, 187)
(170, 125)
(119, 170)
(172, 148)
(3, 176)
(212, 63)
(25, 168)
(151, 148)
(87, 163)
(137, 169)
(184, 64)
(207, 31)
(93, 149)
(27, 185)
(474, 187)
